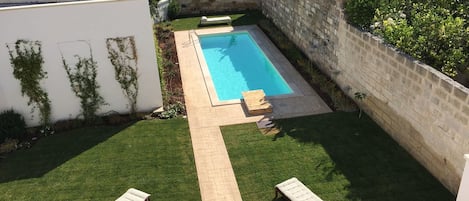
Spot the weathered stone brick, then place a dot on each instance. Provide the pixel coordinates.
(393, 64)
(420, 70)
(428, 86)
(390, 52)
(383, 57)
(408, 62)
(447, 85)
(417, 89)
(361, 43)
(434, 78)
(461, 93)
(382, 47)
(456, 103)
(395, 76)
(435, 100)
(441, 94)
(465, 110)
(400, 58)
(461, 119)
(416, 78)
(405, 81)
(368, 47)
(402, 70)
(366, 37)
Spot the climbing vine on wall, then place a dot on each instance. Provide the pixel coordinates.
(123, 56)
(83, 82)
(26, 60)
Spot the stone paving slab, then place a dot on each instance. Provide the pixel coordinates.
(216, 177)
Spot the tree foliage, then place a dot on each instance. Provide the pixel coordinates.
(435, 32)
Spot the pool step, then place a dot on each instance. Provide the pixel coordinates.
(256, 103)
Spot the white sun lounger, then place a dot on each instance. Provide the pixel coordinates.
(294, 190)
(215, 20)
(134, 195)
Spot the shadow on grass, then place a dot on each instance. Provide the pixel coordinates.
(249, 18)
(280, 198)
(374, 164)
(51, 152)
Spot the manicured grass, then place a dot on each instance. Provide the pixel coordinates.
(337, 155)
(189, 23)
(102, 163)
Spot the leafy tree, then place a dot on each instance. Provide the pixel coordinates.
(434, 31)
(360, 13)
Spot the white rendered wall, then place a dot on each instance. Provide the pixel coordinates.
(463, 194)
(69, 27)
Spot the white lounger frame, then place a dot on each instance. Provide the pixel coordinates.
(134, 195)
(204, 20)
(294, 190)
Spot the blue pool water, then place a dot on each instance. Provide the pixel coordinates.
(237, 64)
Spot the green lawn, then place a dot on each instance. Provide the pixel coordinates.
(189, 23)
(102, 163)
(337, 155)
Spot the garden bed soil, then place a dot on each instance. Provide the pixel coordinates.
(171, 76)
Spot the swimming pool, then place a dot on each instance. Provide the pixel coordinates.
(237, 64)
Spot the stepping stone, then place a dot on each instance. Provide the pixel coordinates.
(267, 123)
(267, 127)
(256, 103)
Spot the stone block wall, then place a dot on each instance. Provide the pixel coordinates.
(192, 7)
(423, 110)
(312, 25)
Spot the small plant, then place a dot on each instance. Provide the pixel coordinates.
(360, 97)
(46, 131)
(9, 145)
(12, 125)
(172, 111)
(83, 82)
(26, 60)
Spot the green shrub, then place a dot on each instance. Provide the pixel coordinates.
(434, 32)
(174, 8)
(12, 125)
(360, 13)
